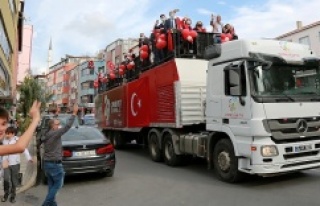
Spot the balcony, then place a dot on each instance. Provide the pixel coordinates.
(87, 92)
(89, 77)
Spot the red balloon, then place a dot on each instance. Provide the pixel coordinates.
(130, 65)
(225, 37)
(96, 83)
(121, 72)
(105, 79)
(144, 48)
(123, 67)
(144, 55)
(193, 34)
(190, 39)
(112, 75)
(162, 36)
(161, 44)
(157, 35)
(185, 33)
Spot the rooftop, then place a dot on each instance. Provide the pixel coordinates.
(299, 29)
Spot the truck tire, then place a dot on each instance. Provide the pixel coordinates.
(117, 140)
(154, 147)
(170, 157)
(225, 162)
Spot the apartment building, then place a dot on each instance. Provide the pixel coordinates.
(58, 82)
(115, 51)
(11, 23)
(86, 89)
(308, 35)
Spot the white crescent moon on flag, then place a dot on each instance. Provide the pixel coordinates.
(133, 112)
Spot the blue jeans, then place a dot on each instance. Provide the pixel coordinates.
(55, 176)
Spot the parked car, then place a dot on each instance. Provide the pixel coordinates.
(89, 120)
(85, 150)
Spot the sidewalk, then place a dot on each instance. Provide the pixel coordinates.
(28, 170)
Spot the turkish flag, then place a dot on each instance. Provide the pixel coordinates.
(138, 107)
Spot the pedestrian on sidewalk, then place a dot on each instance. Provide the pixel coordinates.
(26, 137)
(11, 167)
(53, 156)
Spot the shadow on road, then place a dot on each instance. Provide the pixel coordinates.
(199, 167)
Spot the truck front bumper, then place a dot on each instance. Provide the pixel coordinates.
(291, 157)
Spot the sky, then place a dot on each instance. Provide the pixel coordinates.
(83, 27)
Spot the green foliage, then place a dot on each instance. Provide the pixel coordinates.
(30, 90)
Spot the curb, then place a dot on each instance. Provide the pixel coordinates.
(32, 175)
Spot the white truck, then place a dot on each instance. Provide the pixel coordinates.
(250, 109)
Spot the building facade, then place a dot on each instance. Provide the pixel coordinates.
(308, 35)
(11, 23)
(86, 88)
(58, 82)
(115, 51)
(24, 64)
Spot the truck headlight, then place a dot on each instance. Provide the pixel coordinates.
(269, 151)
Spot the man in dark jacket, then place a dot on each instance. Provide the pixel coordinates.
(53, 156)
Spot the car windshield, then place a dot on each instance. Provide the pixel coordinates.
(285, 79)
(77, 134)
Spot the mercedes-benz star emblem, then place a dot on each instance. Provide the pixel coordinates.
(302, 126)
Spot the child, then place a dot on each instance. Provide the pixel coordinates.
(11, 166)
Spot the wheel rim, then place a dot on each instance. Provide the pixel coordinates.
(169, 150)
(224, 161)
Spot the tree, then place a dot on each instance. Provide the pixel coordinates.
(31, 90)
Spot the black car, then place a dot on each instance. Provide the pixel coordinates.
(85, 150)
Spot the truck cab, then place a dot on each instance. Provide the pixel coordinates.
(263, 108)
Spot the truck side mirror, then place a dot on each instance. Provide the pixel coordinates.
(233, 80)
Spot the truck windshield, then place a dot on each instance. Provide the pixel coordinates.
(286, 81)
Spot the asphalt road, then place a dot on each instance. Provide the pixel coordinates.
(140, 182)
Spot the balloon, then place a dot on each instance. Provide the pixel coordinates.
(105, 79)
(193, 34)
(162, 36)
(185, 33)
(123, 67)
(144, 48)
(190, 39)
(112, 75)
(121, 72)
(95, 83)
(157, 35)
(226, 37)
(161, 44)
(130, 65)
(144, 55)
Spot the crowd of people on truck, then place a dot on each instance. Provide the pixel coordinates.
(172, 36)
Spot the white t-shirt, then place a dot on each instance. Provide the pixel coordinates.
(14, 159)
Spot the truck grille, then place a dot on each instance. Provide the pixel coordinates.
(295, 129)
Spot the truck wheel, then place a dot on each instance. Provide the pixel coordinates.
(117, 140)
(154, 148)
(170, 156)
(225, 161)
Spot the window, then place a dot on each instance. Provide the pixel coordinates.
(4, 43)
(304, 40)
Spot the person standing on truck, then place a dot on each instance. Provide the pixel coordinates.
(217, 27)
(53, 156)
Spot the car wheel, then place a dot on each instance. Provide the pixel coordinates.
(154, 148)
(225, 162)
(170, 157)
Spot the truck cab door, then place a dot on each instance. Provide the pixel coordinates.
(236, 112)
